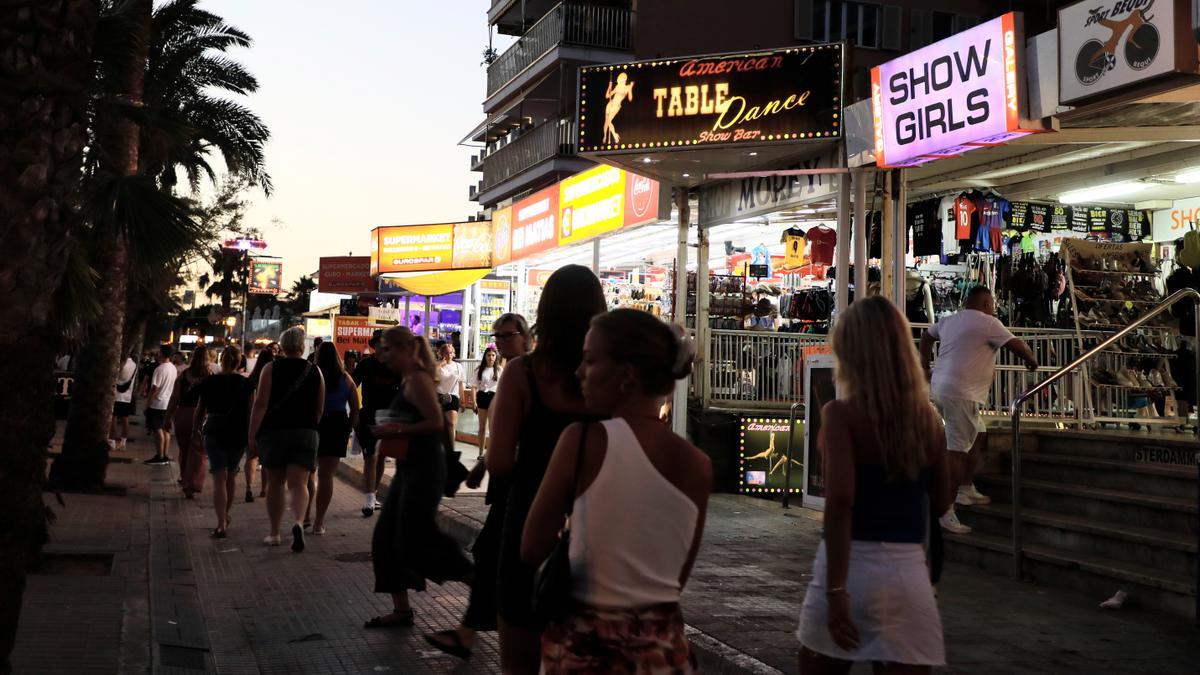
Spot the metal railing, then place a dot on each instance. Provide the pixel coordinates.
(549, 139)
(579, 25)
(1061, 373)
(765, 370)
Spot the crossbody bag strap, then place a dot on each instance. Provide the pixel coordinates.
(578, 469)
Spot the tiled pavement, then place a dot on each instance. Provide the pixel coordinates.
(179, 602)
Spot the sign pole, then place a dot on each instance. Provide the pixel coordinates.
(245, 300)
(860, 233)
(679, 402)
(841, 285)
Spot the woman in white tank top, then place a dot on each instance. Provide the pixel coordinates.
(638, 506)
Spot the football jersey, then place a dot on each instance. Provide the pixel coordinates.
(793, 246)
(964, 213)
(991, 222)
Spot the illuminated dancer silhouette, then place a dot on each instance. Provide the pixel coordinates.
(775, 458)
(616, 95)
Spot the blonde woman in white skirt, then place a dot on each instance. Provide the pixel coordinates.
(884, 453)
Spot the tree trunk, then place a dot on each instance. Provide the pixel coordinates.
(45, 55)
(84, 457)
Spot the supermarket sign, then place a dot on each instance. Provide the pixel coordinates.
(953, 96)
(598, 201)
(431, 248)
(346, 274)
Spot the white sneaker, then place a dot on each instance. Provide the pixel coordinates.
(969, 494)
(949, 523)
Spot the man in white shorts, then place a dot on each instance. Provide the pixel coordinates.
(962, 379)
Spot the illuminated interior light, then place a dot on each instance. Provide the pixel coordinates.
(1102, 192)
(1189, 176)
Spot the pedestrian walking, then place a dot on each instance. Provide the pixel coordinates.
(341, 412)
(636, 495)
(451, 391)
(511, 334)
(182, 411)
(537, 399)
(264, 358)
(379, 386)
(118, 432)
(223, 416)
(870, 598)
(283, 426)
(961, 381)
(158, 399)
(487, 377)
(407, 548)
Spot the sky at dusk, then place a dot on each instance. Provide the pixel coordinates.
(366, 101)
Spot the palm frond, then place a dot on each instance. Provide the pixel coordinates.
(76, 303)
(160, 227)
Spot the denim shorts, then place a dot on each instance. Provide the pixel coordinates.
(280, 447)
(223, 455)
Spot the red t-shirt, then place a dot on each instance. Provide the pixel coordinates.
(822, 240)
(964, 210)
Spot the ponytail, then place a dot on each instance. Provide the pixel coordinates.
(424, 355)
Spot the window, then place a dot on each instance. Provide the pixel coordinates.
(927, 27)
(857, 22)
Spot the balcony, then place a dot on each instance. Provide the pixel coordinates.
(585, 26)
(545, 141)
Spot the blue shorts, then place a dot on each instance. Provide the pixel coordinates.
(222, 455)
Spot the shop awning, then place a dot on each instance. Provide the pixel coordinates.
(322, 313)
(436, 283)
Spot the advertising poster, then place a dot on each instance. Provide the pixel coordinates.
(591, 203)
(534, 226)
(502, 235)
(266, 278)
(1170, 224)
(952, 96)
(641, 200)
(346, 274)
(1104, 46)
(763, 459)
(726, 99)
(352, 333)
(819, 389)
(472, 245)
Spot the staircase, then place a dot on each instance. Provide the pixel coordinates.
(1101, 512)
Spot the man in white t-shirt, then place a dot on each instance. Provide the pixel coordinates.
(162, 385)
(962, 379)
(118, 430)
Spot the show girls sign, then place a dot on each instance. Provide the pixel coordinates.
(955, 95)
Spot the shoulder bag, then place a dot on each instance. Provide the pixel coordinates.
(552, 583)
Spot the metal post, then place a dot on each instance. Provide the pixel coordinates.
(787, 471)
(899, 236)
(886, 234)
(428, 312)
(519, 289)
(703, 346)
(841, 285)
(467, 337)
(596, 257)
(1016, 493)
(679, 402)
(860, 233)
(246, 301)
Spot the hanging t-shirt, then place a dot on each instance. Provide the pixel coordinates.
(822, 239)
(1018, 216)
(875, 234)
(762, 256)
(793, 248)
(1060, 218)
(949, 225)
(1137, 224)
(1079, 220)
(992, 212)
(926, 228)
(1039, 217)
(964, 216)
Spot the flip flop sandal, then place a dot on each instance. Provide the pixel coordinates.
(391, 620)
(454, 648)
(217, 534)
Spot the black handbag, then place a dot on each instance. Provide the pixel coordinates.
(552, 583)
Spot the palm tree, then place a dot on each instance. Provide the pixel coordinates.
(41, 156)
(182, 124)
(302, 289)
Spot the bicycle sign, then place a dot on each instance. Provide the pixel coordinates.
(1105, 44)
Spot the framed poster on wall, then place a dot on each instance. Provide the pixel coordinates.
(819, 389)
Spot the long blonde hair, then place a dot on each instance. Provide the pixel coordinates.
(401, 337)
(877, 367)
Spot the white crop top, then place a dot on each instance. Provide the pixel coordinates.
(629, 550)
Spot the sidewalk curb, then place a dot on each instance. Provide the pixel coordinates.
(714, 655)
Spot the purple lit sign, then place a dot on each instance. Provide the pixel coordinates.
(951, 96)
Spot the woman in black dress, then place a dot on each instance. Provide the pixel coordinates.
(538, 397)
(407, 547)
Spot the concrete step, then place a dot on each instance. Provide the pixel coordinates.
(1178, 449)
(1167, 480)
(1156, 549)
(1170, 514)
(1097, 576)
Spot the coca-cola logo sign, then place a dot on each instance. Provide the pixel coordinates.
(643, 195)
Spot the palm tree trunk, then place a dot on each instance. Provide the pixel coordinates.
(45, 54)
(85, 444)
